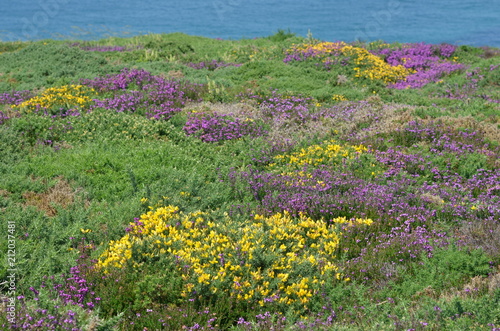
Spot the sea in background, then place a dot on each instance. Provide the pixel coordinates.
(471, 22)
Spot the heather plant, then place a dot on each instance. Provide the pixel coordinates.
(215, 128)
(11, 99)
(15, 97)
(65, 302)
(153, 96)
(278, 107)
(469, 89)
(424, 60)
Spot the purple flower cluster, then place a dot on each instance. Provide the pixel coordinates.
(310, 52)
(470, 87)
(117, 82)
(72, 291)
(405, 194)
(43, 319)
(60, 303)
(425, 60)
(127, 102)
(215, 127)
(76, 291)
(15, 97)
(212, 65)
(279, 107)
(138, 90)
(276, 321)
(446, 50)
(3, 117)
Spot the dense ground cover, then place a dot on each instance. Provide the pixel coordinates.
(169, 182)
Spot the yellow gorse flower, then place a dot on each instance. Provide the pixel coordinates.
(367, 65)
(327, 153)
(227, 258)
(319, 49)
(373, 67)
(338, 97)
(67, 97)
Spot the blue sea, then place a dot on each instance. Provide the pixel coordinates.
(471, 22)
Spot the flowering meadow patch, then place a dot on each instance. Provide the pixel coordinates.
(278, 107)
(15, 97)
(469, 90)
(327, 153)
(411, 66)
(59, 99)
(304, 185)
(140, 91)
(66, 302)
(214, 127)
(403, 192)
(12, 99)
(425, 60)
(365, 64)
(271, 261)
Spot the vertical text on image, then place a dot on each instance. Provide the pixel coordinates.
(11, 271)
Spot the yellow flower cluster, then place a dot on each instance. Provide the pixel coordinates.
(67, 97)
(319, 49)
(327, 153)
(266, 260)
(338, 97)
(367, 65)
(373, 67)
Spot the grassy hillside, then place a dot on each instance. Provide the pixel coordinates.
(168, 182)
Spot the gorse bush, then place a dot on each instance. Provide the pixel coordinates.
(275, 261)
(57, 100)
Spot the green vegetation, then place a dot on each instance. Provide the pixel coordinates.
(176, 182)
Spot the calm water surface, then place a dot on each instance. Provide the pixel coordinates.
(470, 22)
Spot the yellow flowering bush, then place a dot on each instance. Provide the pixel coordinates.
(326, 153)
(275, 260)
(64, 97)
(366, 65)
(319, 49)
(373, 67)
(339, 97)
